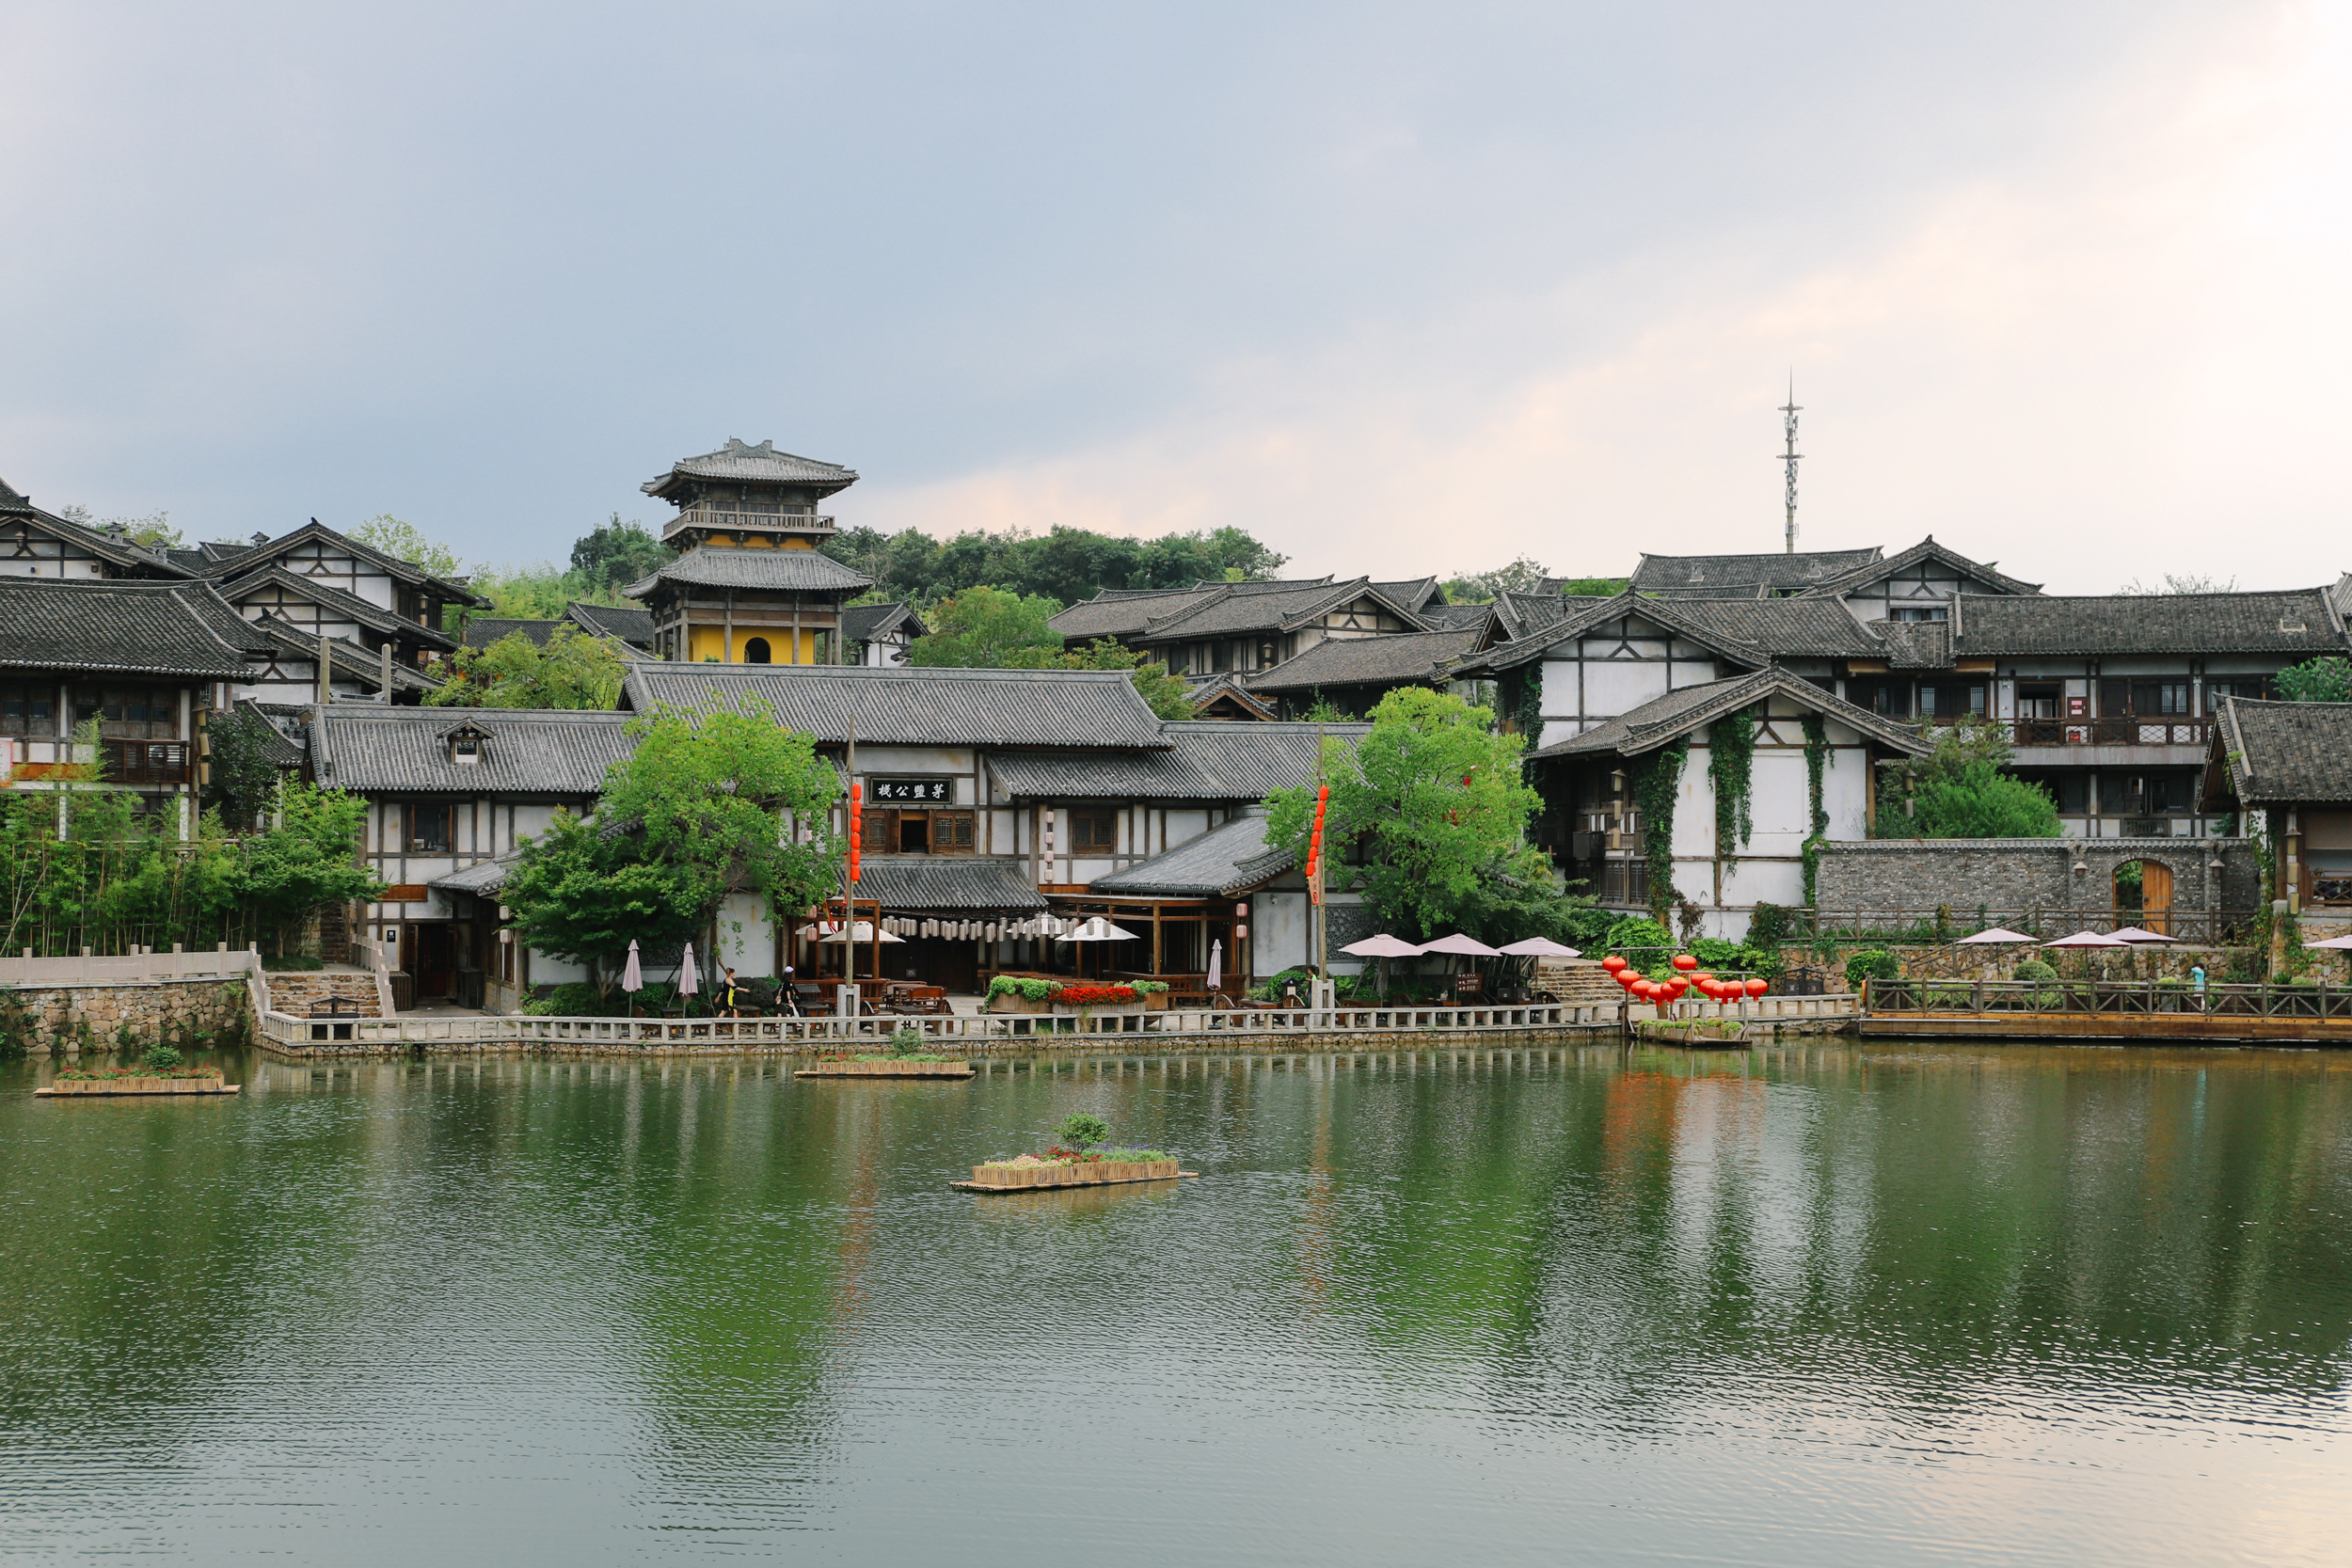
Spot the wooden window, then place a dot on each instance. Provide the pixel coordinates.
(951, 833)
(1093, 833)
(428, 827)
(133, 712)
(145, 761)
(27, 708)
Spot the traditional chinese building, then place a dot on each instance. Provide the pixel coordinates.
(750, 585)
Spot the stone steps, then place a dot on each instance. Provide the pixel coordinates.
(1577, 981)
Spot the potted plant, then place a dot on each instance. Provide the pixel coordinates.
(1155, 995)
(1019, 993)
(1088, 1001)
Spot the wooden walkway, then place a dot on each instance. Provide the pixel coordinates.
(2099, 1010)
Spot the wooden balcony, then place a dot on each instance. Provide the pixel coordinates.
(702, 519)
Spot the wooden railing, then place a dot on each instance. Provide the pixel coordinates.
(2190, 928)
(1924, 998)
(2160, 730)
(732, 522)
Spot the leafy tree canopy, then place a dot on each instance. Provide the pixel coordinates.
(1436, 801)
(309, 859)
(990, 629)
(1594, 588)
(573, 670)
(2318, 680)
(1067, 563)
(1524, 575)
(1165, 694)
(243, 781)
(407, 542)
(2182, 582)
(616, 555)
(705, 805)
(1961, 790)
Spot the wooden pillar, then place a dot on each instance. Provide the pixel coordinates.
(1156, 964)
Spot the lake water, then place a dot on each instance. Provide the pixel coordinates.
(1830, 1305)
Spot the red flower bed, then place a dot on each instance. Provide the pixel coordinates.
(1091, 997)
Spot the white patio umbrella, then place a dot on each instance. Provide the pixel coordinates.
(1541, 947)
(2333, 944)
(1217, 963)
(1997, 934)
(861, 932)
(1465, 946)
(2088, 939)
(633, 973)
(1097, 929)
(688, 981)
(2133, 933)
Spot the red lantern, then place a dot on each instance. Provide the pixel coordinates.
(1686, 963)
(1675, 988)
(1626, 979)
(1758, 986)
(1613, 963)
(1703, 980)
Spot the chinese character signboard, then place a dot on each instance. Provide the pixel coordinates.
(937, 792)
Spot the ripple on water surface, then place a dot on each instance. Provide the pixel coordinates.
(1824, 1306)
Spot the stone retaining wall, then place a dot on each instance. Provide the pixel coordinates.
(69, 1018)
(2010, 875)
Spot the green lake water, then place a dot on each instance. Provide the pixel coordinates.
(1838, 1304)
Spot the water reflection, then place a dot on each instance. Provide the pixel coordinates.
(1822, 1305)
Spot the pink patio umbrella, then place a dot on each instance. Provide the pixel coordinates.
(1462, 946)
(2088, 939)
(1531, 948)
(632, 976)
(1383, 947)
(1999, 934)
(2333, 944)
(2133, 933)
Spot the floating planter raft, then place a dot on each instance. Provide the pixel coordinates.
(1092, 1172)
(885, 1067)
(1720, 1034)
(205, 1083)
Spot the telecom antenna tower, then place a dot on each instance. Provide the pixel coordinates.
(1790, 456)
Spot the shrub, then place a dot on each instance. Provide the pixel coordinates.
(1021, 985)
(906, 1042)
(291, 960)
(1872, 963)
(1767, 926)
(1081, 1131)
(163, 1058)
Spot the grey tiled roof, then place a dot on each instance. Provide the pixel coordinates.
(1458, 616)
(235, 561)
(275, 748)
(115, 626)
(1416, 595)
(137, 560)
(1123, 613)
(1681, 617)
(1988, 625)
(967, 883)
(481, 879)
(628, 623)
(1238, 609)
(1925, 549)
(1785, 628)
(863, 623)
(1915, 644)
(2287, 752)
(483, 630)
(757, 463)
(1369, 660)
(1661, 720)
(240, 588)
(1207, 759)
(1225, 860)
(1211, 690)
(352, 661)
(915, 707)
(537, 752)
(782, 570)
(1744, 576)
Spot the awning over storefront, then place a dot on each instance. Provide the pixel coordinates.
(964, 885)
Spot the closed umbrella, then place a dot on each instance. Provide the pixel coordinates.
(688, 981)
(1999, 934)
(1217, 963)
(632, 976)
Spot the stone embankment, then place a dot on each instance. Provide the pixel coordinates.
(298, 990)
(69, 1018)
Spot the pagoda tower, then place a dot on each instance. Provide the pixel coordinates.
(748, 585)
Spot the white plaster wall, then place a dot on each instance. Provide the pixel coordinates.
(747, 938)
(1185, 826)
(1611, 688)
(1778, 799)
(1277, 930)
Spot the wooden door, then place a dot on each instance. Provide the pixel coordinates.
(2156, 897)
(436, 969)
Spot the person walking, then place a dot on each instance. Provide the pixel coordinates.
(2197, 983)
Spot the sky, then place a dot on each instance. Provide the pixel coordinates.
(1399, 289)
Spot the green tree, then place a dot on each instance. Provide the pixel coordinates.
(574, 670)
(1163, 693)
(1523, 575)
(534, 593)
(616, 555)
(1961, 790)
(987, 629)
(407, 542)
(705, 805)
(2317, 680)
(242, 780)
(309, 859)
(1435, 800)
(150, 530)
(1594, 588)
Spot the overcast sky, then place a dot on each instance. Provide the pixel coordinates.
(1399, 289)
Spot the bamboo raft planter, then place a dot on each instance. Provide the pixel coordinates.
(1032, 1179)
(887, 1069)
(1699, 1035)
(76, 1086)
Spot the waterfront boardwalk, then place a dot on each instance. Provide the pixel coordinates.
(1341, 1028)
(2109, 1010)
